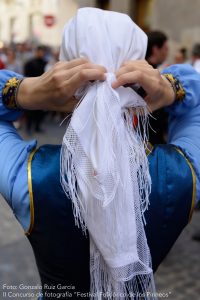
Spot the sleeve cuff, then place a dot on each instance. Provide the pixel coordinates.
(190, 81)
(7, 83)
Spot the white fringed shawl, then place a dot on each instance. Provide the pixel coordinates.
(104, 168)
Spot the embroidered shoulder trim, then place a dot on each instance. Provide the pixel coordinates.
(30, 190)
(194, 183)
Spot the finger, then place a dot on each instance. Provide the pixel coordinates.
(61, 75)
(138, 62)
(71, 64)
(63, 66)
(133, 67)
(87, 66)
(89, 74)
(65, 74)
(84, 76)
(130, 78)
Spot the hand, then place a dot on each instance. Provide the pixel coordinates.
(159, 91)
(54, 90)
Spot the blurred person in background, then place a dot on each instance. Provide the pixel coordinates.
(180, 56)
(196, 57)
(23, 53)
(54, 58)
(13, 63)
(3, 56)
(32, 68)
(36, 65)
(157, 48)
(2, 65)
(156, 55)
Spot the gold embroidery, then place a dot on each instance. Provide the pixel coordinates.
(194, 183)
(9, 93)
(30, 188)
(177, 86)
(150, 149)
(13, 82)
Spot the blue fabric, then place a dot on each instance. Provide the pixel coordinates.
(184, 117)
(67, 259)
(14, 154)
(170, 205)
(5, 113)
(183, 132)
(190, 81)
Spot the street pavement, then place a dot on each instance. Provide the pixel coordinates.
(176, 279)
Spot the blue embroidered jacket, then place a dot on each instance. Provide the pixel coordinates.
(37, 199)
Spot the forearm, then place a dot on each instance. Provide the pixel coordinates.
(35, 94)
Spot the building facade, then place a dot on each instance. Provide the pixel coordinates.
(178, 19)
(43, 20)
(39, 21)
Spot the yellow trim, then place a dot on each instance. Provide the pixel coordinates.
(30, 189)
(194, 183)
(149, 149)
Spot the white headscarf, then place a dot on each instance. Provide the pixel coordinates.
(104, 168)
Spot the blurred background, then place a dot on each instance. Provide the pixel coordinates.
(30, 36)
(41, 21)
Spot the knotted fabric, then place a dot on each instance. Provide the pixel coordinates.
(104, 168)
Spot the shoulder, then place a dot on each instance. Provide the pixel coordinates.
(170, 158)
(173, 174)
(47, 156)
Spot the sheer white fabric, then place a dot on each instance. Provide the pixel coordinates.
(104, 168)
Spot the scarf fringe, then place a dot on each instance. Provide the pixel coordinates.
(102, 280)
(104, 286)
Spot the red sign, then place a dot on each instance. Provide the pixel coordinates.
(49, 20)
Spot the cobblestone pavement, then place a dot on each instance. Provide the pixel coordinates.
(176, 279)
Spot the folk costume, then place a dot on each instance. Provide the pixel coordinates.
(52, 190)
